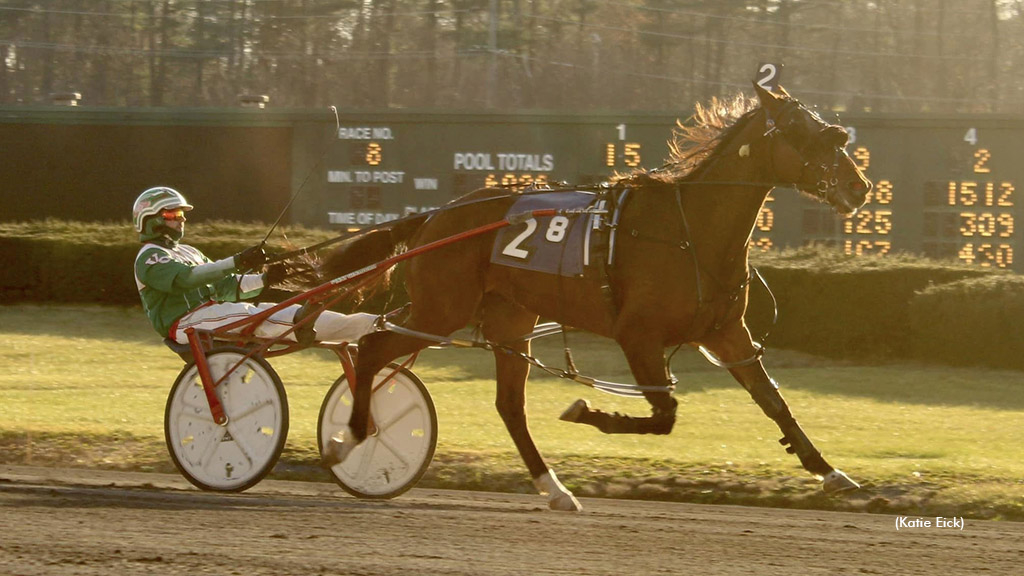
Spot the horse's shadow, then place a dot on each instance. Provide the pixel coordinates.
(887, 382)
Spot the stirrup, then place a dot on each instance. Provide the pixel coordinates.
(184, 351)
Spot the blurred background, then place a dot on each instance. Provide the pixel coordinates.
(229, 101)
(934, 56)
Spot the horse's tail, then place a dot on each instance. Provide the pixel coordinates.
(373, 246)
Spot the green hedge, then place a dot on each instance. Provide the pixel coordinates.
(843, 306)
(974, 322)
(829, 304)
(57, 261)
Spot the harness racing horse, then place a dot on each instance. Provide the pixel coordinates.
(680, 276)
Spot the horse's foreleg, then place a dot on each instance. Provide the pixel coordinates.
(735, 347)
(647, 362)
(503, 321)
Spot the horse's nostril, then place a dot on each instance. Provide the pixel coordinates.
(860, 186)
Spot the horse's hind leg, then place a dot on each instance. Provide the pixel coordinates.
(504, 322)
(734, 346)
(376, 349)
(647, 362)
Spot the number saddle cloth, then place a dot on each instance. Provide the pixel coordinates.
(573, 243)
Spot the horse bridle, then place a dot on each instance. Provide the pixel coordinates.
(828, 176)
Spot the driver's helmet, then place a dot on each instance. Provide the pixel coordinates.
(154, 201)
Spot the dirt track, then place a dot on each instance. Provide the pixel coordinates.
(87, 522)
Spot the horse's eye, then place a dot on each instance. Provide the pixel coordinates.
(827, 140)
(835, 136)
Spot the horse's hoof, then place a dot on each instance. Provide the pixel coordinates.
(836, 482)
(337, 449)
(564, 502)
(576, 411)
(559, 497)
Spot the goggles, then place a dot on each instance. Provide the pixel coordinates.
(174, 214)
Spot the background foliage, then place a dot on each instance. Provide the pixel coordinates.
(877, 55)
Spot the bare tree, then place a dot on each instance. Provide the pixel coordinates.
(925, 55)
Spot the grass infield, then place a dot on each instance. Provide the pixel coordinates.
(86, 386)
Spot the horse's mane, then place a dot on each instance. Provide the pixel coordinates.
(698, 141)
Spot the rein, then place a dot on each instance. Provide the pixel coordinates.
(536, 191)
(616, 388)
(428, 214)
(759, 347)
(828, 181)
(687, 244)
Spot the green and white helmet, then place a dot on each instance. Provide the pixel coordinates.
(156, 200)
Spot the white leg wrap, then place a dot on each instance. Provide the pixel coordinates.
(559, 497)
(837, 481)
(334, 327)
(338, 447)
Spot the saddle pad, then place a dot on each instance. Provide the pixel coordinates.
(557, 244)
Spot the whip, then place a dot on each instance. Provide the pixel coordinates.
(337, 128)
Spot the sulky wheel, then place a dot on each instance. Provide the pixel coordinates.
(397, 452)
(236, 456)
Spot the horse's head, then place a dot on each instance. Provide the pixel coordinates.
(809, 153)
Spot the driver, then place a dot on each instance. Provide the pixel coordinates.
(181, 288)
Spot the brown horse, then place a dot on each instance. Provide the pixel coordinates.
(679, 275)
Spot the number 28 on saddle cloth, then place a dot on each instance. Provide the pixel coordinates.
(572, 243)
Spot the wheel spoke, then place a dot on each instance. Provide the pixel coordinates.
(243, 444)
(383, 439)
(397, 416)
(197, 401)
(211, 449)
(203, 417)
(369, 449)
(253, 408)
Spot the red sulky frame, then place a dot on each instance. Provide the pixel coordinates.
(313, 302)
